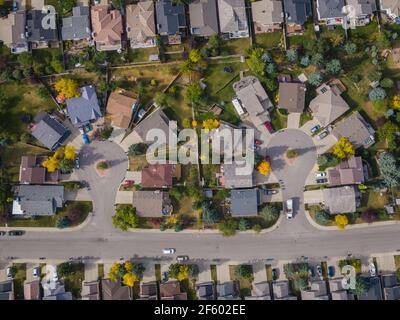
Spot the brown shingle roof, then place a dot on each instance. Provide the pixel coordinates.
(32, 171)
(158, 175)
(349, 171)
(119, 107)
(292, 96)
(140, 21)
(107, 25)
(112, 290)
(171, 290)
(32, 290)
(152, 203)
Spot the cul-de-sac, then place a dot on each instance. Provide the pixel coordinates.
(91, 210)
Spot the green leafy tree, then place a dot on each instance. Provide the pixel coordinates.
(64, 269)
(228, 227)
(66, 165)
(390, 171)
(271, 68)
(215, 44)
(194, 93)
(387, 83)
(334, 66)
(317, 60)
(377, 94)
(256, 62)
(193, 270)
(57, 65)
(161, 99)
(350, 47)
(25, 59)
(305, 61)
(323, 217)
(389, 132)
(315, 79)
(125, 218)
(244, 224)
(209, 214)
(243, 271)
(270, 213)
(174, 270)
(176, 193)
(135, 149)
(13, 271)
(361, 287)
(67, 5)
(292, 55)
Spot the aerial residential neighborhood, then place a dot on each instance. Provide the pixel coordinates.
(199, 150)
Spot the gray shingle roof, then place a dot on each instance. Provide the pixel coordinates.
(35, 20)
(233, 177)
(244, 202)
(232, 16)
(49, 131)
(298, 11)
(39, 200)
(362, 7)
(340, 200)
(85, 108)
(225, 289)
(169, 17)
(330, 9)
(203, 17)
(267, 12)
(77, 26)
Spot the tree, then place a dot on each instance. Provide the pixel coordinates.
(17, 74)
(75, 212)
(66, 165)
(118, 4)
(215, 44)
(62, 223)
(389, 132)
(315, 79)
(291, 154)
(210, 124)
(13, 271)
(69, 152)
(292, 55)
(271, 84)
(350, 47)
(264, 167)
(387, 83)
(209, 214)
(395, 102)
(380, 105)
(116, 271)
(341, 221)
(343, 149)
(64, 269)
(183, 272)
(228, 227)
(368, 216)
(194, 93)
(305, 61)
(374, 75)
(323, 217)
(389, 169)
(193, 270)
(57, 65)
(176, 193)
(317, 59)
(195, 56)
(161, 99)
(68, 88)
(256, 62)
(135, 149)
(334, 66)
(270, 213)
(25, 60)
(51, 164)
(377, 94)
(128, 279)
(243, 271)
(125, 218)
(173, 270)
(271, 68)
(66, 6)
(244, 224)
(138, 270)
(361, 287)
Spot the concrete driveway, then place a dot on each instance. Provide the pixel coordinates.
(293, 120)
(306, 128)
(324, 144)
(78, 195)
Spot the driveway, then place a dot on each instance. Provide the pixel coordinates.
(293, 120)
(78, 195)
(324, 144)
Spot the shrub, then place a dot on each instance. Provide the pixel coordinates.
(243, 271)
(228, 227)
(244, 224)
(323, 217)
(292, 154)
(102, 165)
(270, 213)
(368, 216)
(257, 228)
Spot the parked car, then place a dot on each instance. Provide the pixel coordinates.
(36, 272)
(275, 274)
(9, 275)
(182, 258)
(77, 162)
(257, 142)
(322, 181)
(141, 114)
(320, 174)
(319, 271)
(228, 70)
(15, 6)
(165, 276)
(168, 251)
(322, 135)
(269, 127)
(372, 270)
(289, 209)
(331, 271)
(271, 191)
(16, 233)
(315, 129)
(3, 233)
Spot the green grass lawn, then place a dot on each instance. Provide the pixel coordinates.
(279, 120)
(305, 117)
(236, 46)
(269, 40)
(73, 281)
(19, 279)
(141, 54)
(300, 40)
(209, 172)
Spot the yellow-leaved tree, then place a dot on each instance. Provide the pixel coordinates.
(69, 152)
(128, 279)
(395, 102)
(183, 272)
(341, 221)
(128, 266)
(264, 167)
(115, 271)
(343, 149)
(210, 124)
(68, 88)
(194, 123)
(51, 163)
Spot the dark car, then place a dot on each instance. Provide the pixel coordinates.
(16, 233)
(271, 191)
(3, 233)
(315, 129)
(228, 70)
(165, 277)
(331, 271)
(322, 135)
(321, 181)
(275, 274)
(268, 125)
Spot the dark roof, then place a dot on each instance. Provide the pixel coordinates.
(244, 202)
(374, 292)
(205, 290)
(35, 19)
(157, 175)
(330, 9)
(349, 171)
(170, 17)
(298, 11)
(292, 96)
(226, 289)
(32, 171)
(112, 290)
(171, 290)
(148, 289)
(7, 290)
(77, 26)
(51, 133)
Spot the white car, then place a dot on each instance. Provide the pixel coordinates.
(320, 175)
(168, 251)
(35, 272)
(9, 273)
(372, 270)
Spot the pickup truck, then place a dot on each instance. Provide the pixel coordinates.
(289, 209)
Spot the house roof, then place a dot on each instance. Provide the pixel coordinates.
(330, 9)
(362, 7)
(292, 96)
(41, 26)
(244, 202)
(225, 289)
(389, 280)
(260, 289)
(32, 171)
(171, 290)
(280, 289)
(297, 11)
(340, 199)
(49, 131)
(90, 290)
(60, 296)
(85, 108)
(349, 171)
(236, 176)
(148, 289)
(391, 5)
(39, 200)
(169, 17)
(77, 26)
(374, 292)
(151, 203)
(113, 290)
(317, 291)
(120, 107)
(205, 289)
(157, 175)
(107, 25)
(140, 21)
(356, 129)
(267, 12)
(12, 29)
(203, 17)
(328, 105)
(232, 16)
(32, 290)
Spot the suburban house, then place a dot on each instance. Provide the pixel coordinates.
(36, 200)
(205, 291)
(120, 107)
(267, 15)
(233, 19)
(152, 204)
(260, 291)
(235, 176)
(84, 109)
(49, 131)
(292, 96)
(391, 8)
(32, 172)
(41, 29)
(32, 290)
(317, 291)
(203, 18)
(328, 105)
(356, 129)
(349, 171)
(148, 290)
(391, 287)
(7, 290)
(338, 292)
(140, 24)
(90, 290)
(227, 130)
(227, 291)
(330, 11)
(341, 199)
(12, 32)
(364, 10)
(297, 12)
(281, 291)
(77, 26)
(244, 202)
(171, 290)
(374, 292)
(55, 290)
(158, 175)
(107, 28)
(251, 100)
(113, 290)
(171, 21)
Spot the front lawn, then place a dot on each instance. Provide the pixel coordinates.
(269, 40)
(209, 172)
(19, 279)
(73, 281)
(279, 120)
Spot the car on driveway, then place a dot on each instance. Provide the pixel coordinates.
(289, 208)
(269, 127)
(319, 271)
(182, 258)
(168, 251)
(77, 162)
(257, 142)
(275, 274)
(320, 174)
(36, 272)
(322, 135)
(372, 270)
(9, 275)
(322, 181)
(254, 148)
(16, 233)
(331, 271)
(165, 277)
(315, 129)
(270, 191)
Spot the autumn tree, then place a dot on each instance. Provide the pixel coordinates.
(210, 124)
(395, 102)
(68, 88)
(125, 217)
(116, 271)
(341, 221)
(343, 149)
(69, 152)
(264, 167)
(51, 164)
